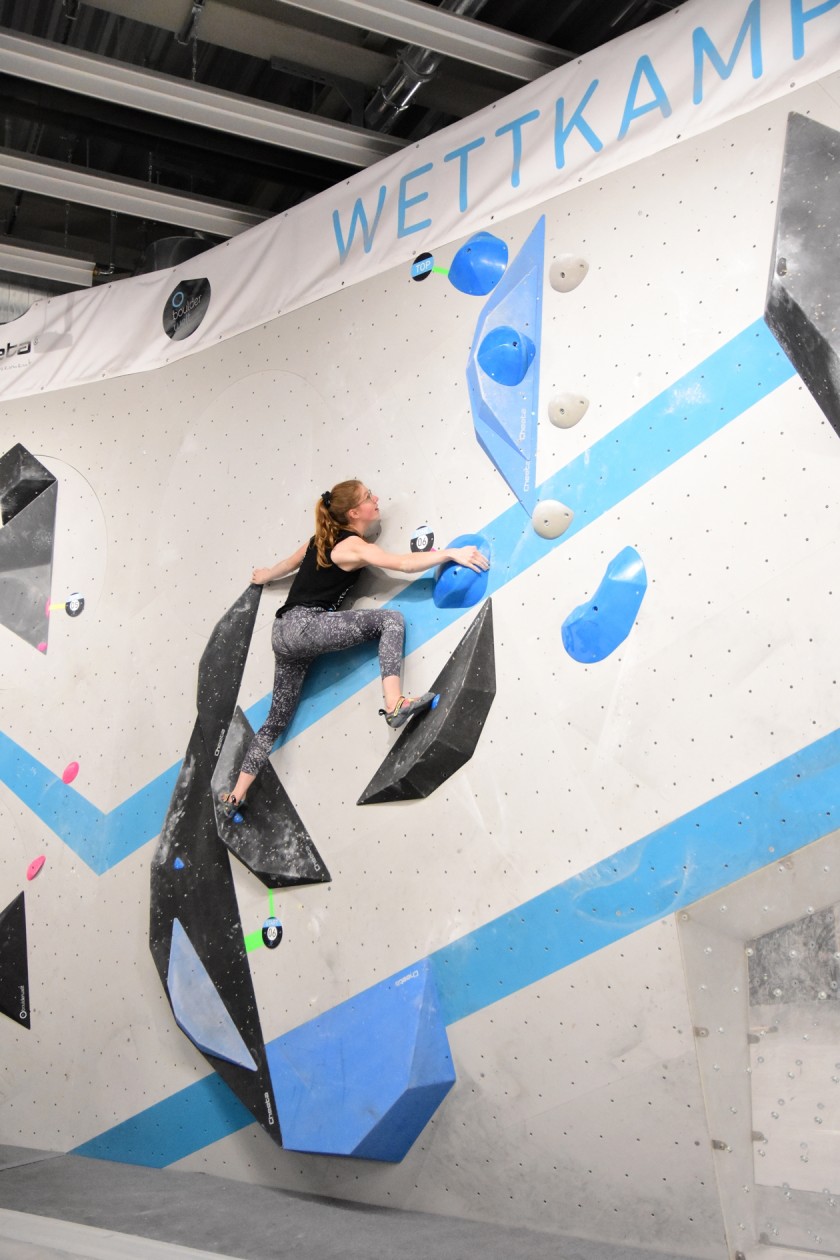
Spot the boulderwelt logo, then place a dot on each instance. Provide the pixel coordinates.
(185, 308)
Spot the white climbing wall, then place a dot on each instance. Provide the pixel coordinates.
(586, 1101)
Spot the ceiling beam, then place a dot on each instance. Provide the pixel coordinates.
(174, 144)
(466, 39)
(255, 35)
(21, 260)
(131, 197)
(40, 61)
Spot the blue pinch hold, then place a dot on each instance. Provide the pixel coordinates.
(479, 264)
(506, 354)
(595, 629)
(456, 586)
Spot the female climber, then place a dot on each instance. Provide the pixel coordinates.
(310, 623)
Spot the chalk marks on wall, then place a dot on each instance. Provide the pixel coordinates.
(803, 297)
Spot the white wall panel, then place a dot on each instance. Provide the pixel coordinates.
(579, 1106)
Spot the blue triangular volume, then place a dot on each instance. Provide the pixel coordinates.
(365, 1078)
(198, 1008)
(505, 415)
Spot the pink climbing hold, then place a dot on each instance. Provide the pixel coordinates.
(34, 867)
(70, 772)
(42, 647)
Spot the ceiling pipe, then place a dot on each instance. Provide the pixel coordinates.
(415, 67)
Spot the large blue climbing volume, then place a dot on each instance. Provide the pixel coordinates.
(503, 369)
(365, 1078)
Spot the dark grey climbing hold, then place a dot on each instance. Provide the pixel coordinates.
(28, 497)
(803, 297)
(433, 746)
(14, 965)
(270, 839)
(191, 879)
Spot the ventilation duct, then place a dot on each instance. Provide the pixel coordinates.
(415, 67)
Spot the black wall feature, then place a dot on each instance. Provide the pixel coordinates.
(270, 840)
(436, 744)
(14, 968)
(191, 877)
(28, 497)
(803, 297)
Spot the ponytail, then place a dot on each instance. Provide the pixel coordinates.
(331, 517)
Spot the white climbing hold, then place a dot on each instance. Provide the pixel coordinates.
(551, 518)
(566, 272)
(565, 410)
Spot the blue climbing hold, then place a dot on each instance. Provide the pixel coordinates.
(595, 629)
(178, 864)
(506, 354)
(479, 265)
(456, 586)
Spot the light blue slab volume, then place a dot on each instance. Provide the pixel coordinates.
(595, 629)
(198, 1007)
(505, 416)
(365, 1078)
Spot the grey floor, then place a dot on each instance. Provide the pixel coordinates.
(54, 1207)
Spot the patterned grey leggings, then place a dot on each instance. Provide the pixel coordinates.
(298, 638)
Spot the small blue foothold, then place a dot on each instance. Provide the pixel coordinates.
(435, 702)
(178, 864)
(237, 818)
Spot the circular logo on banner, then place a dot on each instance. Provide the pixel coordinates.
(185, 308)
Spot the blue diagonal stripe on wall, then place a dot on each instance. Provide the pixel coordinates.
(700, 404)
(761, 820)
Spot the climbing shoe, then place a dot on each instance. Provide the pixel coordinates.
(405, 709)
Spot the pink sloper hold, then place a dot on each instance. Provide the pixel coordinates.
(70, 772)
(34, 867)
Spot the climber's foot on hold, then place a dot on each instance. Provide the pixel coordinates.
(406, 708)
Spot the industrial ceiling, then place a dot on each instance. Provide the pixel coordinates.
(137, 133)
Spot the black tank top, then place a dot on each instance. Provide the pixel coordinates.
(314, 587)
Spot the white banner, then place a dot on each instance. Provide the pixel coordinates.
(689, 71)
